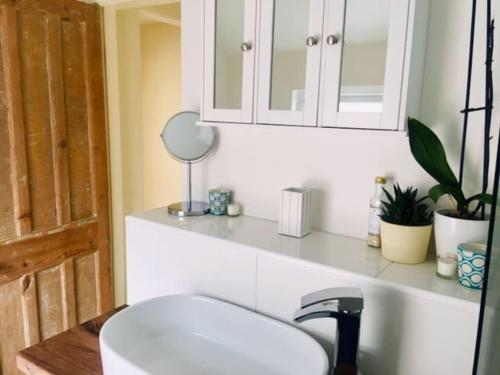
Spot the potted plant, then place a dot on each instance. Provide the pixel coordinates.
(466, 220)
(405, 226)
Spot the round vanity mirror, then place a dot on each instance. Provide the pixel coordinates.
(188, 143)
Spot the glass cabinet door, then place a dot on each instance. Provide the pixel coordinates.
(229, 60)
(363, 63)
(289, 61)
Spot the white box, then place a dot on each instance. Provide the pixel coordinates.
(295, 212)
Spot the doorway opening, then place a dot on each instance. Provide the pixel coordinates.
(143, 52)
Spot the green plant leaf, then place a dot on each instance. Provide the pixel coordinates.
(437, 191)
(422, 199)
(388, 196)
(483, 198)
(429, 152)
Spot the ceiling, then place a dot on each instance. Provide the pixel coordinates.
(167, 13)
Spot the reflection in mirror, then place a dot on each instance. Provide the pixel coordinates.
(186, 141)
(364, 55)
(228, 55)
(288, 72)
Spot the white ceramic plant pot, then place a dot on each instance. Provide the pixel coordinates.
(450, 232)
(405, 244)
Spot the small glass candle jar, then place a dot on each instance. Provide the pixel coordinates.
(218, 200)
(233, 209)
(447, 266)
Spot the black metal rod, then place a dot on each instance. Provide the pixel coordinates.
(189, 195)
(488, 100)
(475, 109)
(467, 95)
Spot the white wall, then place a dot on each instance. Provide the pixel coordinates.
(161, 96)
(129, 71)
(257, 162)
(137, 182)
(125, 146)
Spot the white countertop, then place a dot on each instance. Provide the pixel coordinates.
(326, 249)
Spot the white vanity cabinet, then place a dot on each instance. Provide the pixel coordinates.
(400, 334)
(325, 63)
(413, 322)
(169, 260)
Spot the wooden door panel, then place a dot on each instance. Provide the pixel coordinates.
(36, 112)
(41, 304)
(45, 249)
(55, 260)
(94, 63)
(49, 301)
(76, 119)
(87, 287)
(15, 120)
(7, 228)
(57, 119)
(11, 329)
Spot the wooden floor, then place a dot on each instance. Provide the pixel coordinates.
(75, 351)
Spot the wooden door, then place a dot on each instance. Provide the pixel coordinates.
(55, 268)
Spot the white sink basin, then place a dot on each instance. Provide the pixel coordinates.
(184, 335)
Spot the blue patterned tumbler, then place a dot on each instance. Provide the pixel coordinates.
(218, 199)
(471, 264)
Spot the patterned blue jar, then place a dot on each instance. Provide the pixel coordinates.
(471, 264)
(218, 200)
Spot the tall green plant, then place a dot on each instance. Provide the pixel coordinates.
(429, 152)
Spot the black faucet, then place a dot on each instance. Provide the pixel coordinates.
(343, 304)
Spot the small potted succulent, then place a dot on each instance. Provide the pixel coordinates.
(466, 220)
(406, 226)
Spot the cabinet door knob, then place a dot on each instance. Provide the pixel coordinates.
(332, 39)
(245, 46)
(311, 41)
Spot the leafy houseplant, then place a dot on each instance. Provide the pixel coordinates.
(405, 209)
(406, 226)
(465, 221)
(429, 152)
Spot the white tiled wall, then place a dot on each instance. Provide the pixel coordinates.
(400, 334)
(172, 261)
(404, 331)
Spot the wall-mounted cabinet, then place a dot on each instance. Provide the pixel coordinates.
(326, 63)
(289, 62)
(229, 60)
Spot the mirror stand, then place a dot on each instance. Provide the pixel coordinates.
(188, 143)
(189, 207)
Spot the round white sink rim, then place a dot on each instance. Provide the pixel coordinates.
(114, 333)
